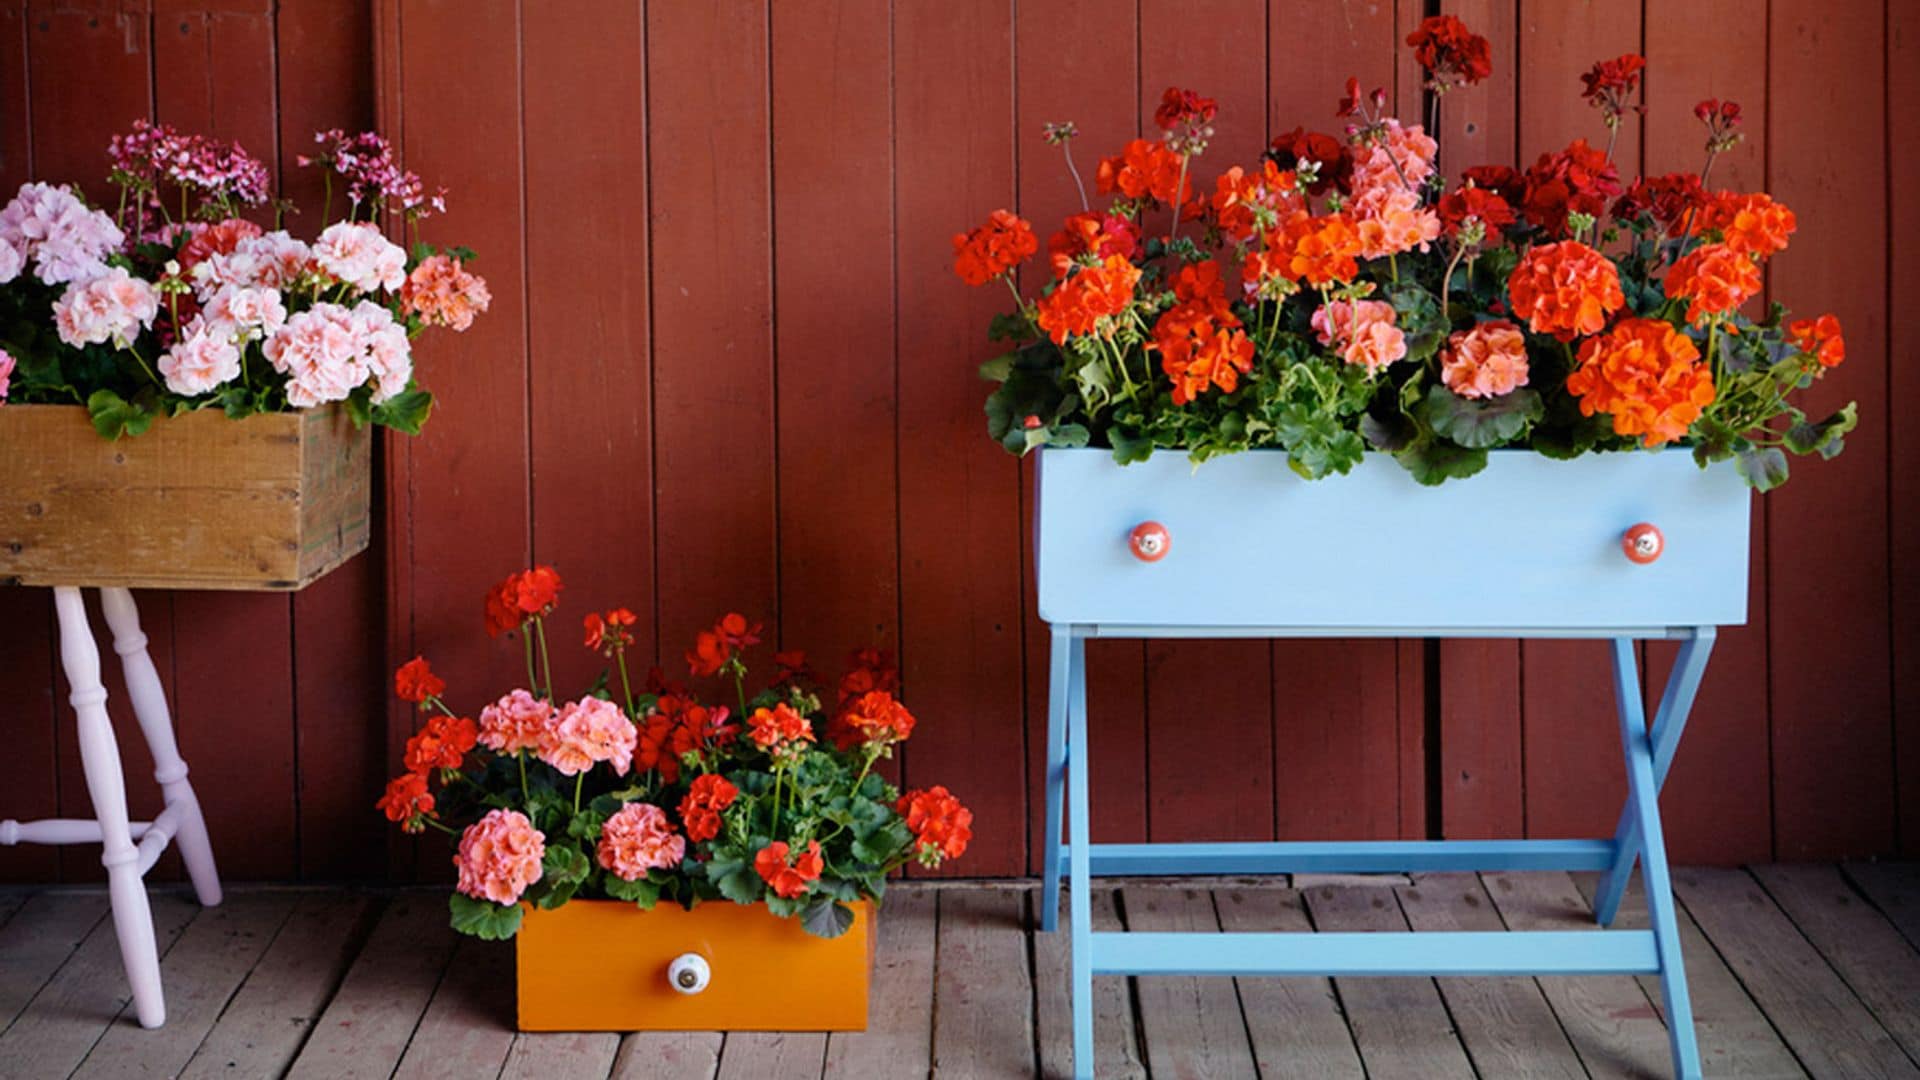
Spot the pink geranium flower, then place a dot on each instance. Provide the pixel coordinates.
(1363, 331)
(11, 262)
(638, 838)
(204, 358)
(65, 240)
(319, 351)
(518, 721)
(355, 252)
(499, 857)
(115, 306)
(1486, 361)
(442, 293)
(6, 374)
(272, 260)
(588, 731)
(389, 355)
(246, 312)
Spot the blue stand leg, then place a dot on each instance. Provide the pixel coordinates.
(1080, 914)
(1676, 701)
(1056, 779)
(1643, 803)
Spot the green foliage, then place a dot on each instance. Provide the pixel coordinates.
(483, 918)
(114, 416)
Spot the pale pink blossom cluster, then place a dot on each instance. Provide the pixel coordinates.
(499, 856)
(1363, 331)
(6, 374)
(221, 170)
(11, 262)
(206, 239)
(519, 721)
(243, 313)
(638, 838)
(203, 358)
(366, 160)
(358, 254)
(272, 260)
(1486, 361)
(588, 731)
(111, 307)
(53, 229)
(328, 351)
(1386, 201)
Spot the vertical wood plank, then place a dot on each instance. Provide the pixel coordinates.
(1116, 1047)
(1827, 532)
(369, 1021)
(1074, 61)
(586, 161)
(1202, 695)
(960, 539)
(468, 1027)
(1192, 1025)
(467, 500)
(1903, 343)
(899, 1036)
(834, 285)
(1295, 1024)
(1717, 804)
(710, 225)
(325, 80)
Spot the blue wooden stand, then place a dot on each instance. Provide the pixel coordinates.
(1638, 837)
(1243, 549)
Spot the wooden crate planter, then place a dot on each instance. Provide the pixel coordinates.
(199, 501)
(602, 965)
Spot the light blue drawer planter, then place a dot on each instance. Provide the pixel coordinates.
(1528, 543)
(1530, 547)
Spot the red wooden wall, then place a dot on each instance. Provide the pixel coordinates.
(728, 367)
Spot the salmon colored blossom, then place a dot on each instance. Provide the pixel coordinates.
(1752, 223)
(1487, 361)
(441, 292)
(1565, 289)
(500, 856)
(415, 681)
(789, 879)
(518, 721)
(1647, 376)
(1078, 304)
(707, 797)
(1364, 332)
(778, 727)
(1819, 338)
(1391, 220)
(589, 731)
(636, 839)
(993, 249)
(941, 826)
(1713, 279)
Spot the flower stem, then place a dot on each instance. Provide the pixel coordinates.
(1178, 188)
(626, 685)
(579, 780)
(521, 757)
(546, 660)
(779, 773)
(1066, 148)
(526, 643)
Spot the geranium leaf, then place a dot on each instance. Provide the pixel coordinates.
(826, 917)
(483, 918)
(1477, 424)
(114, 416)
(1764, 469)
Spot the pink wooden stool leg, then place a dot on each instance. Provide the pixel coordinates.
(150, 706)
(106, 786)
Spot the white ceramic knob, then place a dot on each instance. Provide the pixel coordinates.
(689, 973)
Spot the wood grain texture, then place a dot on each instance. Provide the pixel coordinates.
(900, 995)
(984, 1021)
(1879, 965)
(668, 1055)
(1116, 1044)
(1893, 889)
(370, 1020)
(1192, 1026)
(37, 940)
(1295, 1024)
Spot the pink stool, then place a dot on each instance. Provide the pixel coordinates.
(126, 862)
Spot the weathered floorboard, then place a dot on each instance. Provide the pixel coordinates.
(367, 1025)
(1192, 1026)
(983, 1022)
(39, 938)
(765, 1055)
(1400, 1025)
(668, 1055)
(468, 1026)
(1116, 1048)
(1295, 1024)
(1876, 962)
(1506, 1023)
(898, 1040)
(1613, 1027)
(561, 1055)
(1894, 888)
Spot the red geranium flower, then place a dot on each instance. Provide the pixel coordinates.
(416, 682)
(1503, 180)
(941, 827)
(1578, 179)
(1670, 199)
(791, 668)
(529, 594)
(789, 880)
(1178, 107)
(1458, 206)
(1610, 83)
(407, 800)
(441, 744)
(700, 809)
(1290, 149)
(778, 727)
(994, 248)
(1092, 235)
(1819, 338)
(1451, 54)
(611, 631)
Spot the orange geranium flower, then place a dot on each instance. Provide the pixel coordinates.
(1565, 289)
(407, 800)
(878, 719)
(1647, 376)
(992, 249)
(416, 682)
(789, 880)
(1199, 338)
(441, 744)
(1819, 338)
(1244, 203)
(1714, 280)
(1144, 169)
(777, 727)
(1318, 250)
(700, 809)
(1092, 233)
(1752, 224)
(1076, 305)
(941, 827)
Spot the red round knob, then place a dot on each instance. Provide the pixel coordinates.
(1149, 541)
(1643, 543)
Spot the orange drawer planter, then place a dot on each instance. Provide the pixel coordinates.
(601, 965)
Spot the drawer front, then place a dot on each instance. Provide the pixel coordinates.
(1529, 543)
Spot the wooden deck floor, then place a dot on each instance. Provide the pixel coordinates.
(1796, 971)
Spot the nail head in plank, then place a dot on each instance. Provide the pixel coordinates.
(1400, 1025)
(1506, 1023)
(1295, 1024)
(1613, 1026)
